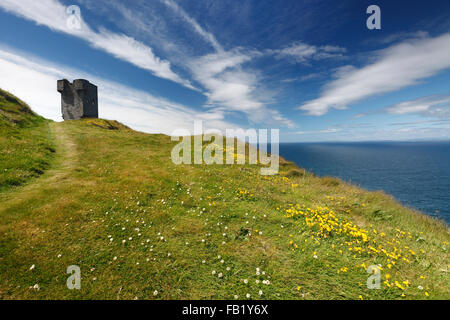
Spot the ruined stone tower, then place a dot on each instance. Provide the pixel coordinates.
(78, 99)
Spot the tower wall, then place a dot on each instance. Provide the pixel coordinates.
(78, 99)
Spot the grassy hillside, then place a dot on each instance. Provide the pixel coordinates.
(27, 148)
(113, 203)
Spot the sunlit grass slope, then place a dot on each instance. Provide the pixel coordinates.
(138, 226)
(25, 142)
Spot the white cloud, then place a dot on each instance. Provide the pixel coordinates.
(396, 67)
(34, 81)
(230, 87)
(332, 130)
(207, 36)
(436, 106)
(304, 53)
(221, 74)
(403, 36)
(52, 13)
(307, 77)
(401, 132)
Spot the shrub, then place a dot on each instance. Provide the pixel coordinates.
(330, 181)
(296, 173)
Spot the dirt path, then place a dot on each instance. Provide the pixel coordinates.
(65, 146)
(62, 167)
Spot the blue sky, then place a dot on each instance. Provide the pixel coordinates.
(310, 68)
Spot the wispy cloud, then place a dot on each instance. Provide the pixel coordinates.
(52, 13)
(307, 77)
(415, 123)
(397, 132)
(207, 36)
(434, 106)
(304, 53)
(34, 81)
(229, 85)
(396, 67)
(401, 36)
(331, 130)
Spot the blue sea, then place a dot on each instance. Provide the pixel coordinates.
(415, 173)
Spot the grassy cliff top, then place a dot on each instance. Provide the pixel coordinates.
(27, 148)
(15, 112)
(112, 202)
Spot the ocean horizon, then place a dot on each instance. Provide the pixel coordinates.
(416, 173)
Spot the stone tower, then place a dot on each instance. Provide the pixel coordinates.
(78, 99)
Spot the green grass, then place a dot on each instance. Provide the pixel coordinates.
(26, 145)
(109, 182)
